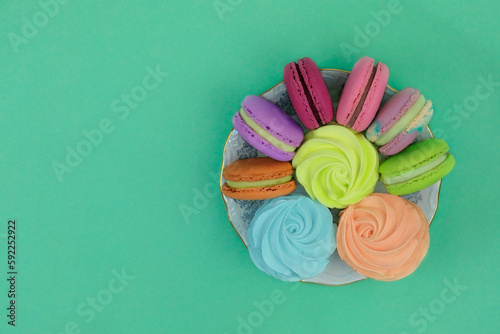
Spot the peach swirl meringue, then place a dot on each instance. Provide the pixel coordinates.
(384, 237)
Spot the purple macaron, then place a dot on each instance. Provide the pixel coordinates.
(268, 128)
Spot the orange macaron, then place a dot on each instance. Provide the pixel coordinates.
(258, 178)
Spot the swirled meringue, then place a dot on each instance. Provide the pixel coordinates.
(384, 237)
(336, 165)
(291, 237)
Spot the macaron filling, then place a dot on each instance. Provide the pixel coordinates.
(309, 97)
(403, 122)
(422, 118)
(361, 102)
(258, 184)
(264, 134)
(415, 172)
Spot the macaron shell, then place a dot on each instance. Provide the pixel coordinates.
(373, 99)
(391, 112)
(274, 120)
(259, 143)
(297, 95)
(256, 169)
(424, 180)
(410, 133)
(399, 143)
(259, 193)
(353, 89)
(317, 88)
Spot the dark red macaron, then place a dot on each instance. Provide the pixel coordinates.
(308, 93)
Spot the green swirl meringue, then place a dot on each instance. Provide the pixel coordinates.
(336, 165)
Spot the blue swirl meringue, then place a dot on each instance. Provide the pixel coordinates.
(292, 237)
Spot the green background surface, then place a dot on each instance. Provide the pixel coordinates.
(119, 208)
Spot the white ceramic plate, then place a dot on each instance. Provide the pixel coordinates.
(240, 212)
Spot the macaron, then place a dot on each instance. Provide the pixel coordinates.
(308, 93)
(258, 178)
(362, 94)
(400, 121)
(268, 128)
(416, 167)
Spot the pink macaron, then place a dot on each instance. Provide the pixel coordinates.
(308, 93)
(400, 121)
(362, 94)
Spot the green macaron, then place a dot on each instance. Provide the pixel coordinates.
(416, 167)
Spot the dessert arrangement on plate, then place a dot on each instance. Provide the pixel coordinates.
(331, 177)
